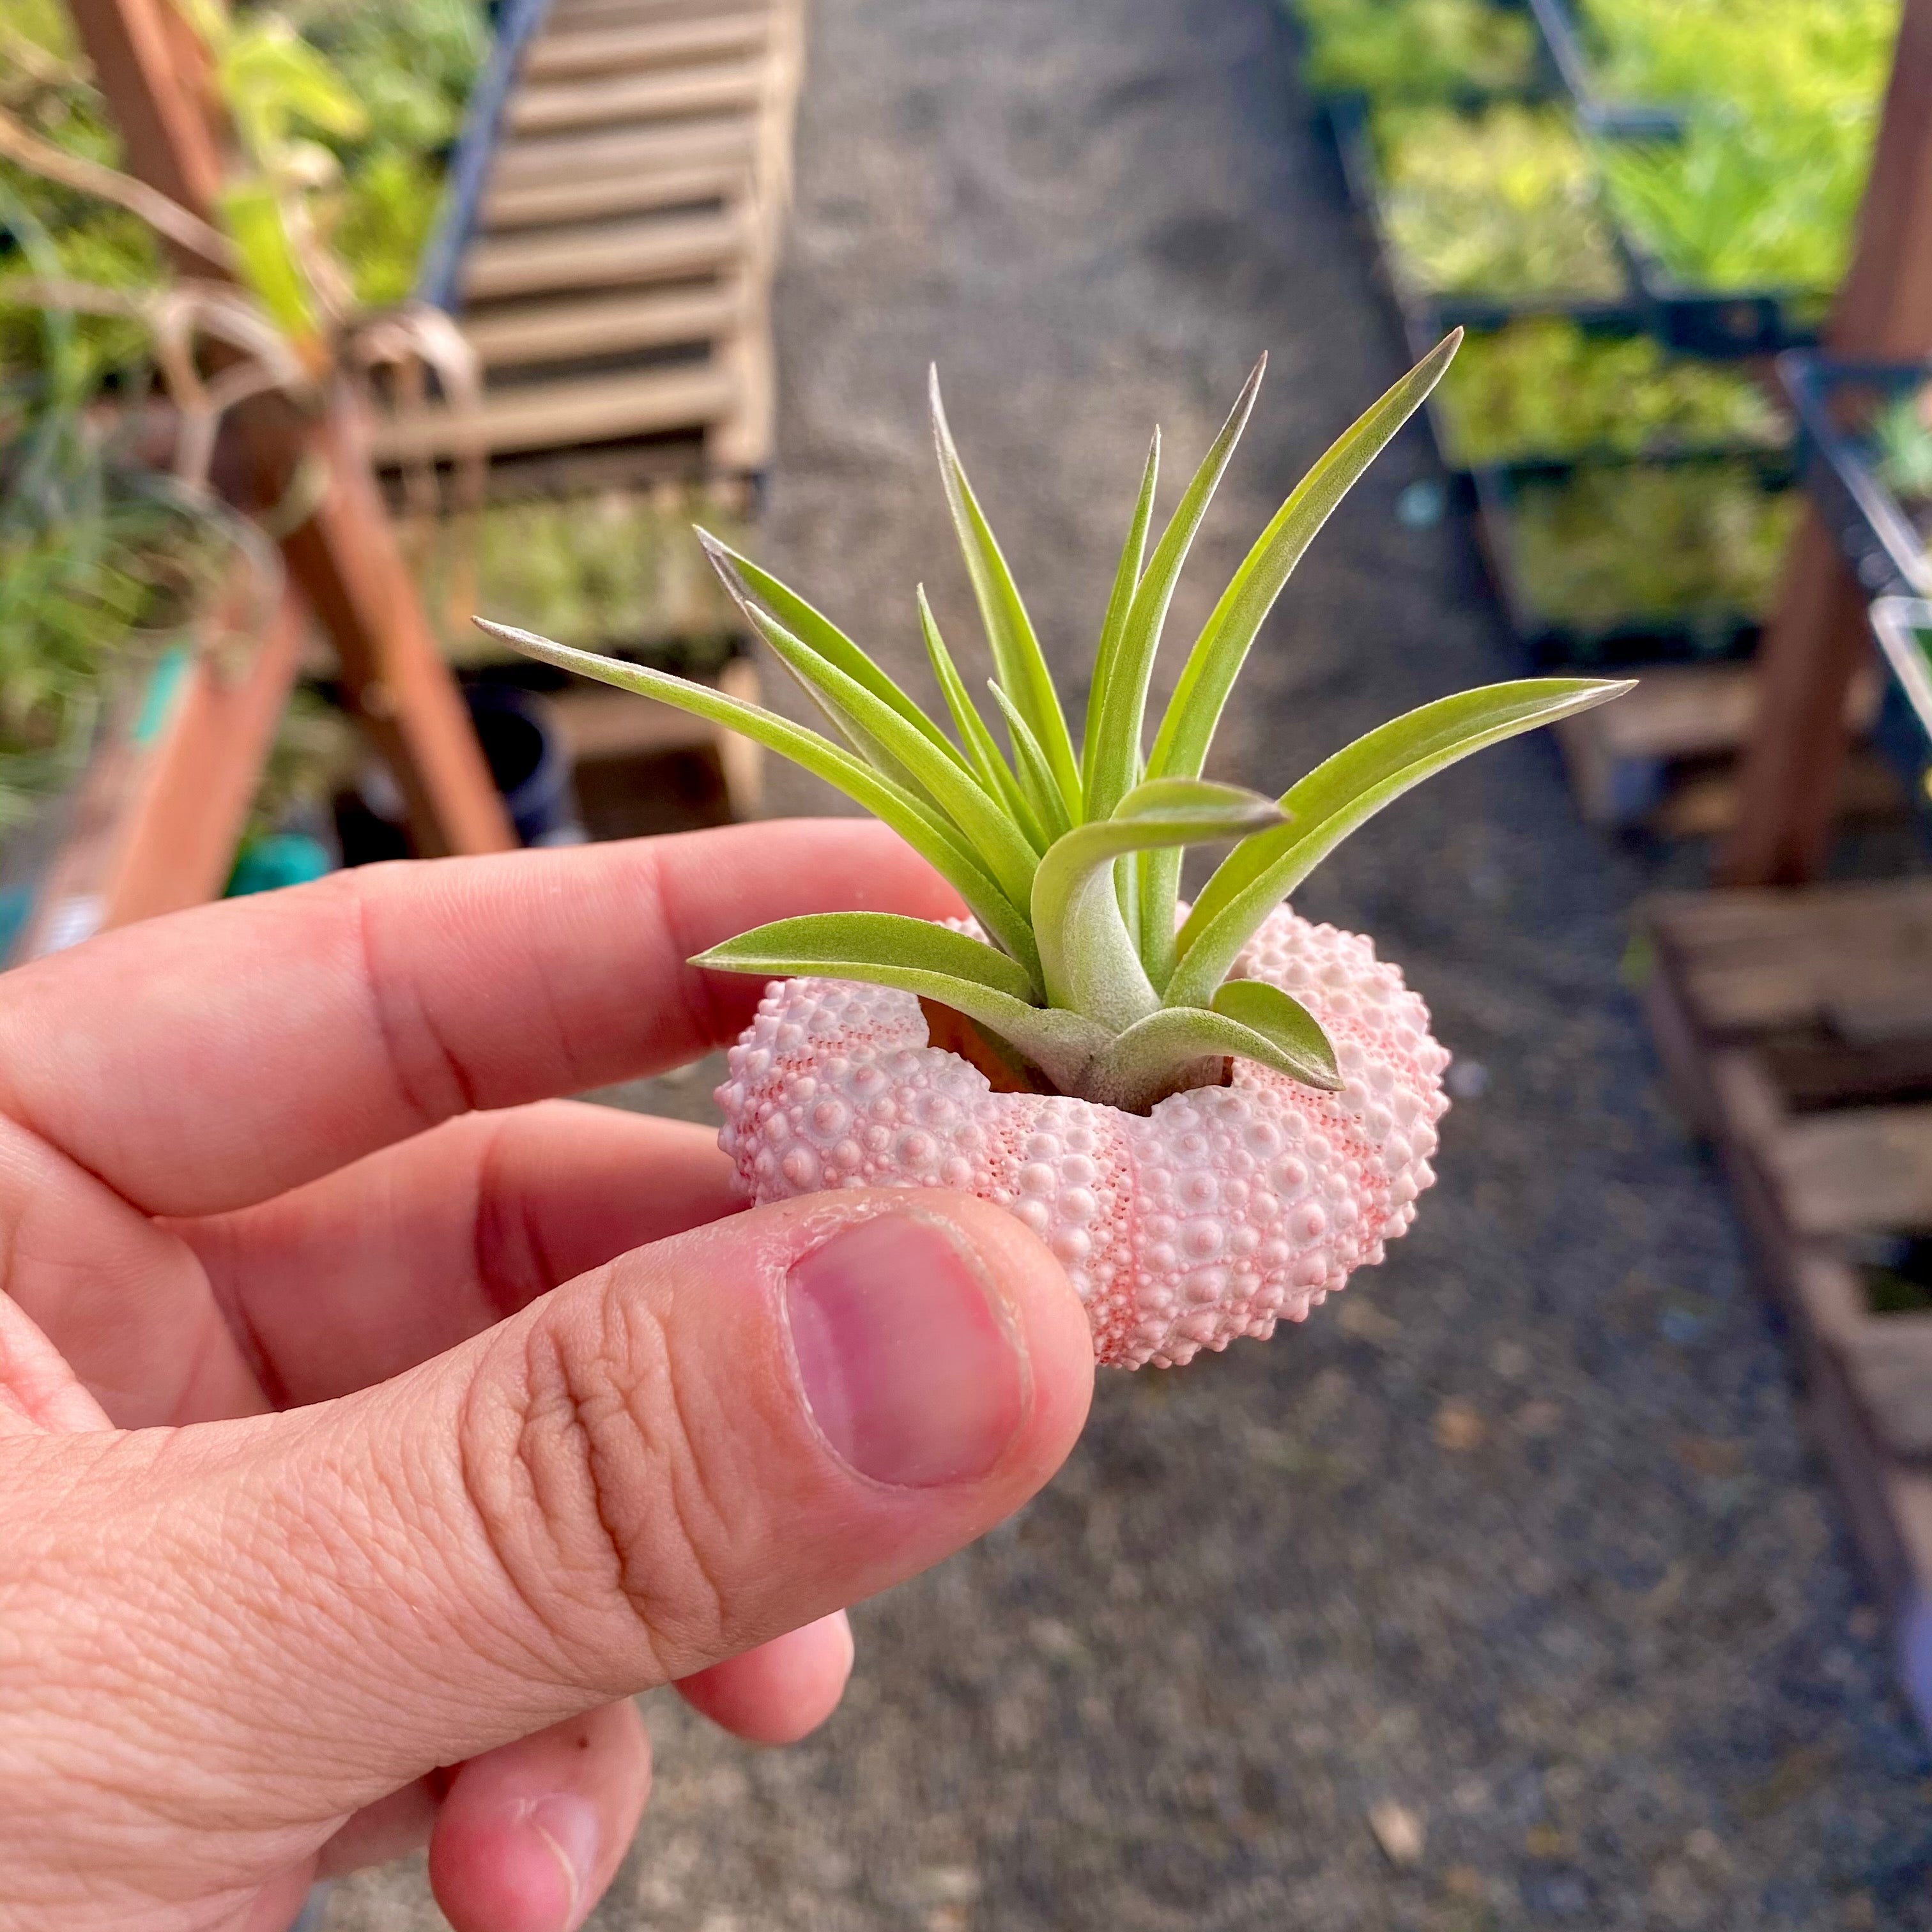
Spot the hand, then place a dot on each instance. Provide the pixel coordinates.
(279, 1155)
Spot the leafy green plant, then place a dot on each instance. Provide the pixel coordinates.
(411, 65)
(1761, 59)
(1418, 49)
(1901, 437)
(1545, 388)
(1745, 204)
(1502, 203)
(1635, 540)
(1068, 852)
(617, 571)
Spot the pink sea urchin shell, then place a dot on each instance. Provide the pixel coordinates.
(1224, 1211)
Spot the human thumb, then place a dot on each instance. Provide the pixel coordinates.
(707, 1443)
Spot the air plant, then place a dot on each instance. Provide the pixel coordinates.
(1213, 1114)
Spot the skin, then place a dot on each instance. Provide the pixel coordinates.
(373, 1425)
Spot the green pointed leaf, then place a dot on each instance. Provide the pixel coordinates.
(1042, 794)
(980, 820)
(830, 942)
(1017, 657)
(937, 842)
(1153, 1058)
(1126, 580)
(1187, 730)
(1116, 740)
(1088, 962)
(746, 579)
(934, 963)
(1343, 793)
(983, 755)
(1281, 1018)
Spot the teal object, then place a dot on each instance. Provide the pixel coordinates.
(283, 859)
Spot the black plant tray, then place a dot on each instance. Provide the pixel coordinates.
(1722, 324)
(1877, 538)
(1564, 45)
(1430, 314)
(1700, 634)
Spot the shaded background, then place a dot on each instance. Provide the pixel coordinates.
(1520, 1535)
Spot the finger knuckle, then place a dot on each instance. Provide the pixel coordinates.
(592, 1486)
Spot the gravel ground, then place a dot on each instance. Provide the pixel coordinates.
(1520, 1536)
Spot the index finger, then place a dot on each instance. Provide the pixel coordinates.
(214, 1058)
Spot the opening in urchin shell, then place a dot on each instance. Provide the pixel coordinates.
(1008, 1072)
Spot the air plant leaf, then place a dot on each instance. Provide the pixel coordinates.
(915, 956)
(1180, 746)
(1126, 580)
(983, 755)
(915, 821)
(1123, 677)
(1088, 960)
(1017, 657)
(941, 776)
(1154, 1057)
(746, 581)
(1035, 779)
(1343, 793)
(1280, 1017)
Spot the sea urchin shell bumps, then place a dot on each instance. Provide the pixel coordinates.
(1224, 1211)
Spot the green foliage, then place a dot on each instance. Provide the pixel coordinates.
(1545, 388)
(614, 572)
(1783, 97)
(1762, 58)
(1901, 435)
(1745, 204)
(1663, 542)
(1502, 203)
(1418, 49)
(43, 86)
(411, 65)
(1050, 863)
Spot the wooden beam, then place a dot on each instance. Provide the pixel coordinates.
(344, 555)
(1818, 638)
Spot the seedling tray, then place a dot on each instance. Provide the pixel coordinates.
(1715, 630)
(1566, 47)
(1544, 83)
(1721, 323)
(1876, 537)
(1429, 314)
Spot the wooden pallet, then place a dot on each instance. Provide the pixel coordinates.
(1663, 758)
(1795, 1028)
(615, 283)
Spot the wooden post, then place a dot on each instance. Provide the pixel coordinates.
(344, 555)
(1818, 637)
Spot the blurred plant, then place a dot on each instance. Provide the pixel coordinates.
(1745, 204)
(1901, 434)
(1634, 541)
(411, 65)
(615, 570)
(1763, 58)
(1503, 203)
(1546, 387)
(1420, 50)
(99, 561)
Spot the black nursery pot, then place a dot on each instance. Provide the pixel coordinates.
(528, 760)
